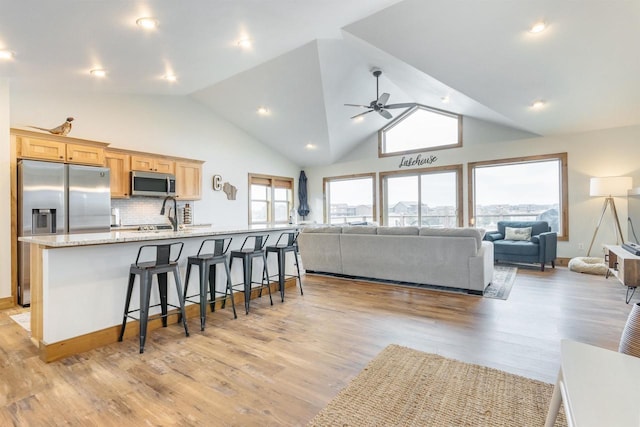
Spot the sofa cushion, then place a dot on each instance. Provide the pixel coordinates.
(398, 231)
(511, 233)
(360, 229)
(537, 227)
(493, 236)
(477, 233)
(515, 247)
(322, 230)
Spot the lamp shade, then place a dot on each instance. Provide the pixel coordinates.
(610, 186)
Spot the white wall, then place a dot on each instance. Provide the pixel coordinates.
(611, 152)
(5, 193)
(171, 125)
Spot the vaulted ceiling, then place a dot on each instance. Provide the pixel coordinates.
(310, 58)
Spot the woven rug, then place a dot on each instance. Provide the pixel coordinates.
(406, 387)
(500, 286)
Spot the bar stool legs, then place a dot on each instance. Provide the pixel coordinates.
(146, 270)
(206, 263)
(281, 251)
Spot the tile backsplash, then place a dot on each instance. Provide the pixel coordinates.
(146, 210)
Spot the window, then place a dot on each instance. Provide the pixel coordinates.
(527, 188)
(271, 199)
(424, 198)
(420, 128)
(349, 199)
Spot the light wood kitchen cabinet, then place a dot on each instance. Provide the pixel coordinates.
(120, 168)
(41, 149)
(85, 154)
(153, 164)
(188, 180)
(57, 151)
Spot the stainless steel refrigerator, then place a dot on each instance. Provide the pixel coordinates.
(55, 198)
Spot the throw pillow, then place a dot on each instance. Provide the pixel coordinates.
(517, 233)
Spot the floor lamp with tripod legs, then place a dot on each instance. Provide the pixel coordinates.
(609, 187)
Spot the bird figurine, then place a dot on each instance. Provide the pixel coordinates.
(63, 129)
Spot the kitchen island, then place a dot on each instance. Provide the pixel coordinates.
(79, 282)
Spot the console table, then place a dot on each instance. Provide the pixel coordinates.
(625, 266)
(598, 387)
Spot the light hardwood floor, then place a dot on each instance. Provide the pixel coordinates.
(280, 365)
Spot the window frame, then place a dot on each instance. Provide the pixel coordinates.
(398, 120)
(273, 182)
(325, 196)
(563, 234)
(457, 168)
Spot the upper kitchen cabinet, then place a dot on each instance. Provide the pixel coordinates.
(189, 180)
(119, 165)
(42, 149)
(85, 154)
(55, 148)
(153, 164)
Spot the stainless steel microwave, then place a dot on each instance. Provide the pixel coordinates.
(152, 184)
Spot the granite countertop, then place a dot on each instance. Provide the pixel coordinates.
(67, 240)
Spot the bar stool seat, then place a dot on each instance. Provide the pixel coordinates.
(247, 255)
(162, 265)
(281, 250)
(206, 263)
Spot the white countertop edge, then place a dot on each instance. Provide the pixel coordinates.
(68, 240)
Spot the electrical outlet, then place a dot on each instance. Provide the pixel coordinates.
(581, 246)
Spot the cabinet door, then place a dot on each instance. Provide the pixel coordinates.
(142, 163)
(33, 148)
(188, 180)
(119, 172)
(85, 154)
(165, 165)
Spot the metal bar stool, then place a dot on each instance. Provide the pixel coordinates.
(161, 266)
(247, 256)
(206, 264)
(281, 250)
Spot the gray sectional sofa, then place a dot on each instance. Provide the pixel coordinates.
(448, 257)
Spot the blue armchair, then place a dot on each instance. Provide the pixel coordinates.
(540, 247)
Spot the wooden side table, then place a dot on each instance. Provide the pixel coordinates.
(598, 387)
(624, 266)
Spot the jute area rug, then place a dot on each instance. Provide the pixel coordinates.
(406, 387)
(500, 286)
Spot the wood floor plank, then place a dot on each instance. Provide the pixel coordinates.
(281, 364)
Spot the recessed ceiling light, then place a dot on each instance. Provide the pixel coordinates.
(263, 111)
(358, 119)
(445, 99)
(245, 43)
(170, 77)
(6, 54)
(310, 146)
(538, 105)
(98, 72)
(538, 27)
(147, 23)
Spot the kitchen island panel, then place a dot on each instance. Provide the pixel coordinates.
(81, 289)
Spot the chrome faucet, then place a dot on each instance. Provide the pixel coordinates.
(174, 220)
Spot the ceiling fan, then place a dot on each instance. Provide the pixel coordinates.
(380, 103)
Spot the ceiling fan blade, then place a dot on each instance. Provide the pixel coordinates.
(384, 113)
(357, 105)
(382, 100)
(361, 114)
(404, 105)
